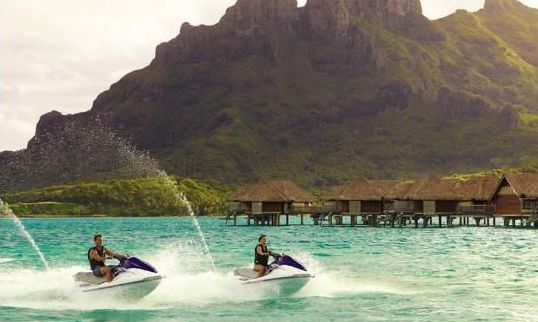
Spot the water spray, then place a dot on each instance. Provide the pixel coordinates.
(90, 146)
(5, 210)
(199, 231)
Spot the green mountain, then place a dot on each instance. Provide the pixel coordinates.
(330, 91)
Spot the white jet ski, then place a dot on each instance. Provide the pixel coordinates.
(133, 279)
(285, 272)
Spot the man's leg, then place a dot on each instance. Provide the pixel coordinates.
(261, 273)
(106, 272)
(260, 269)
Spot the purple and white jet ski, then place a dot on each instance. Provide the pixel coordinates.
(133, 279)
(285, 272)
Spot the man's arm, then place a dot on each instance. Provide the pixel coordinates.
(273, 253)
(95, 255)
(260, 252)
(111, 253)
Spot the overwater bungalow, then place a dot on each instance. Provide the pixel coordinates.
(478, 190)
(431, 196)
(356, 198)
(266, 201)
(362, 197)
(516, 197)
(476, 193)
(512, 197)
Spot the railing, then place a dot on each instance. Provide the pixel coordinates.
(388, 208)
(292, 210)
(529, 205)
(487, 210)
(533, 215)
(236, 211)
(312, 209)
(399, 207)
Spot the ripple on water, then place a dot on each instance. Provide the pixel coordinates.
(367, 274)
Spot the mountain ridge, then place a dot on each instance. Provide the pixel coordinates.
(329, 91)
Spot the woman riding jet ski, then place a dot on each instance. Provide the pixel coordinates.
(132, 278)
(285, 271)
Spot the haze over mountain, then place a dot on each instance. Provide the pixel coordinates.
(322, 93)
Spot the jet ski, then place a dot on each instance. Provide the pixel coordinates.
(133, 279)
(285, 272)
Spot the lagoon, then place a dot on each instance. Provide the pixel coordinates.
(363, 273)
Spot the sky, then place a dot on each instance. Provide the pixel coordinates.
(60, 54)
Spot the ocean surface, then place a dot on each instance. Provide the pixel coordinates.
(362, 274)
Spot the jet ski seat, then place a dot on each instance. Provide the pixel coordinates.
(246, 272)
(88, 277)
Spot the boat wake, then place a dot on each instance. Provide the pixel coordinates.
(335, 283)
(55, 289)
(332, 284)
(186, 282)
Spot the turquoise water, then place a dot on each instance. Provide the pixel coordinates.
(363, 274)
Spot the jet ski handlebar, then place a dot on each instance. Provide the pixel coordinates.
(277, 255)
(289, 261)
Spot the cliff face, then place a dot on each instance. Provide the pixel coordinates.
(265, 28)
(502, 6)
(338, 16)
(322, 93)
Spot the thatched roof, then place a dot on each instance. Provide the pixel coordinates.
(431, 187)
(366, 190)
(333, 192)
(392, 189)
(478, 188)
(360, 189)
(273, 190)
(524, 184)
(428, 187)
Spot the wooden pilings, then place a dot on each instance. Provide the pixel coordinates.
(395, 220)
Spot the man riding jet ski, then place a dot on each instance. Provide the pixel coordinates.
(97, 256)
(132, 278)
(286, 272)
(261, 256)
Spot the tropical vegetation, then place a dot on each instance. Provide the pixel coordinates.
(157, 196)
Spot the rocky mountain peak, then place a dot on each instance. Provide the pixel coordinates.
(246, 18)
(49, 122)
(501, 6)
(246, 15)
(338, 14)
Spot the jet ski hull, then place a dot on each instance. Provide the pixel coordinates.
(128, 290)
(134, 279)
(289, 279)
(286, 285)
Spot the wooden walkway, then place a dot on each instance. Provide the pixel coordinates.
(385, 219)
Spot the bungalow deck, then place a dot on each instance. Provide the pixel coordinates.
(478, 216)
